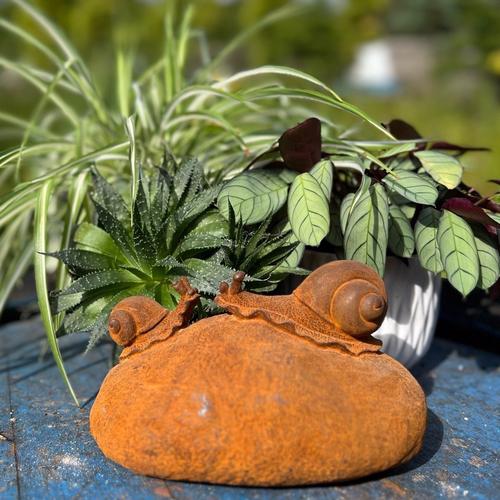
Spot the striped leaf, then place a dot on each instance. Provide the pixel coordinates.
(365, 238)
(335, 236)
(294, 259)
(414, 187)
(489, 261)
(426, 229)
(441, 167)
(308, 210)
(458, 252)
(345, 210)
(323, 173)
(401, 239)
(254, 196)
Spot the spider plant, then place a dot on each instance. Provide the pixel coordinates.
(224, 120)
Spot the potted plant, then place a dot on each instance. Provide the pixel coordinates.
(171, 229)
(403, 210)
(229, 122)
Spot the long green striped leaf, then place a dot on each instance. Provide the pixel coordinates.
(458, 252)
(40, 240)
(254, 196)
(323, 173)
(489, 261)
(366, 233)
(441, 167)
(308, 210)
(426, 230)
(401, 239)
(414, 187)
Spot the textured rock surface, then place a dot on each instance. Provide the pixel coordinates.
(284, 391)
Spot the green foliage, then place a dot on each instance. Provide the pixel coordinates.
(402, 197)
(458, 252)
(140, 249)
(412, 186)
(366, 233)
(254, 195)
(266, 256)
(226, 121)
(308, 210)
(171, 229)
(426, 230)
(441, 167)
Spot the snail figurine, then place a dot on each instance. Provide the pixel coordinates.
(280, 391)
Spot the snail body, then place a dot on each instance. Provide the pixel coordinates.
(283, 390)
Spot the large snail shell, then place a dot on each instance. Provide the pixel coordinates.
(348, 294)
(134, 316)
(358, 308)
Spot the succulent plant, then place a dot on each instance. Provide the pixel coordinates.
(172, 229)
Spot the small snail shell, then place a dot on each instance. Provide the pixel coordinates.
(348, 294)
(134, 316)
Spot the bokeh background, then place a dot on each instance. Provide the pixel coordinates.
(434, 63)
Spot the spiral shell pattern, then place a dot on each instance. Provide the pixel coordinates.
(134, 316)
(348, 294)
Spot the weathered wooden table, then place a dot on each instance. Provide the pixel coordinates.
(46, 451)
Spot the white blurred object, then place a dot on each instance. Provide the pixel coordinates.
(413, 294)
(373, 67)
(410, 323)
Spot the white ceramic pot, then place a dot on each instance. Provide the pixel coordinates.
(413, 294)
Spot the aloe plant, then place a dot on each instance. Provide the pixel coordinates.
(170, 229)
(409, 197)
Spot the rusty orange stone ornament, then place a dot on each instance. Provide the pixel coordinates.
(282, 390)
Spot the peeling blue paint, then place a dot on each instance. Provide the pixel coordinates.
(47, 452)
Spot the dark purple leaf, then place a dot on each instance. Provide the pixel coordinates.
(402, 130)
(466, 209)
(300, 146)
(495, 181)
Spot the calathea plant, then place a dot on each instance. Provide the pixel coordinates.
(407, 197)
(171, 229)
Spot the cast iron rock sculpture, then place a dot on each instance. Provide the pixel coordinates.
(283, 390)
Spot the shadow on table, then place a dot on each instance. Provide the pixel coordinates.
(440, 350)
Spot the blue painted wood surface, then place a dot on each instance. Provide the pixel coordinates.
(46, 451)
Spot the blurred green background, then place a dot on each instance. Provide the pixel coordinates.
(434, 63)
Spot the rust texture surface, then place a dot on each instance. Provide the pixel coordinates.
(282, 390)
